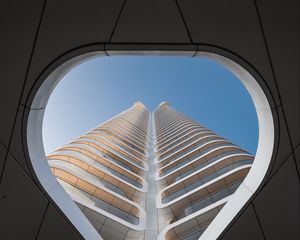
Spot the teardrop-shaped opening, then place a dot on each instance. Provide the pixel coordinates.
(118, 155)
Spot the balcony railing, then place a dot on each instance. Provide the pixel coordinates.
(101, 154)
(208, 200)
(188, 159)
(107, 147)
(100, 166)
(105, 206)
(87, 175)
(211, 160)
(205, 179)
(198, 144)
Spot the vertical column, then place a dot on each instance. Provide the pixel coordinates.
(151, 231)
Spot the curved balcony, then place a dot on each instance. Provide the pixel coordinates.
(173, 209)
(190, 146)
(170, 124)
(179, 136)
(136, 134)
(96, 176)
(124, 131)
(183, 138)
(137, 117)
(107, 155)
(120, 141)
(192, 226)
(102, 197)
(118, 147)
(134, 122)
(129, 140)
(203, 180)
(95, 153)
(227, 154)
(104, 216)
(175, 128)
(94, 140)
(81, 159)
(167, 120)
(183, 144)
(209, 159)
(178, 132)
(192, 155)
(207, 200)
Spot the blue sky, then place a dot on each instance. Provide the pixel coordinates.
(100, 88)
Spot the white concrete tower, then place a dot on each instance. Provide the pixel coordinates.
(197, 171)
(104, 171)
(148, 176)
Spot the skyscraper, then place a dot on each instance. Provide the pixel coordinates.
(145, 175)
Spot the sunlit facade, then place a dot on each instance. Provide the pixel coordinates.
(197, 171)
(144, 175)
(104, 172)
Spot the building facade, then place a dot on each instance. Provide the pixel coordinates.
(197, 171)
(144, 175)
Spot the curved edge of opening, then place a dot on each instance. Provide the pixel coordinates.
(37, 154)
(263, 153)
(233, 206)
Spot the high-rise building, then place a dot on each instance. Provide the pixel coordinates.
(197, 171)
(147, 176)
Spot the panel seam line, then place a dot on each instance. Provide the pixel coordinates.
(184, 22)
(117, 21)
(275, 81)
(23, 87)
(259, 223)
